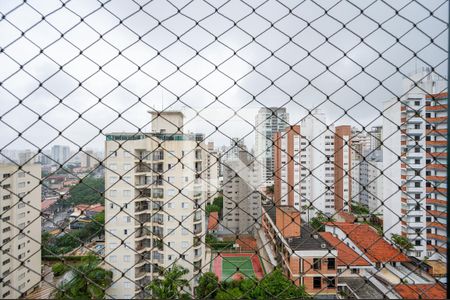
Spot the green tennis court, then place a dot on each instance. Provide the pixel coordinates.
(240, 264)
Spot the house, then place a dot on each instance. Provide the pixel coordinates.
(303, 255)
(83, 213)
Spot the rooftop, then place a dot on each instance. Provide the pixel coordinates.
(309, 239)
(361, 287)
(421, 291)
(346, 255)
(370, 242)
(213, 220)
(131, 136)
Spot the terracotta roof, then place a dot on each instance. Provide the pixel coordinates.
(370, 242)
(421, 291)
(346, 256)
(47, 203)
(213, 220)
(94, 207)
(347, 217)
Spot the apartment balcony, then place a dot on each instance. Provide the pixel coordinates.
(437, 178)
(442, 107)
(436, 213)
(198, 216)
(197, 229)
(143, 168)
(197, 242)
(441, 132)
(438, 237)
(144, 193)
(437, 143)
(141, 272)
(437, 155)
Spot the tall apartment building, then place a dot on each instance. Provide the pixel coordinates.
(154, 207)
(415, 166)
(376, 137)
(212, 171)
(60, 154)
(342, 168)
(317, 165)
(88, 159)
(20, 207)
(370, 177)
(241, 196)
(313, 166)
(269, 120)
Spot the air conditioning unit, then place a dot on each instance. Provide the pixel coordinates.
(315, 236)
(323, 246)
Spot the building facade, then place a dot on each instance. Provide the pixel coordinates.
(420, 173)
(60, 154)
(20, 206)
(241, 196)
(154, 207)
(269, 120)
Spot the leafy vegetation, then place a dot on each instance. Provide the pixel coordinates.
(89, 281)
(317, 223)
(59, 269)
(207, 286)
(359, 209)
(402, 242)
(215, 244)
(171, 285)
(62, 244)
(273, 286)
(217, 206)
(89, 191)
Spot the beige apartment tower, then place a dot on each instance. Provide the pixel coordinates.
(20, 206)
(155, 199)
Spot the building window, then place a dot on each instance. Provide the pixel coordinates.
(418, 242)
(331, 264)
(417, 219)
(317, 264)
(317, 282)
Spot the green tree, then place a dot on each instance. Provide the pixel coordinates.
(208, 286)
(210, 208)
(89, 281)
(59, 269)
(402, 242)
(276, 285)
(171, 285)
(230, 294)
(317, 223)
(88, 191)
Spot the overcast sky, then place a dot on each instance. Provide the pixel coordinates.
(253, 54)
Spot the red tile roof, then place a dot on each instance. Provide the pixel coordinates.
(370, 242)
(421, 291)
(94, 207)
(347, 217)
(213, 220)
(47, 203)
(346, 256)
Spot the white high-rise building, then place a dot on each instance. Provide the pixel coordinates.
(212, 170)
(317, 165)
(60, 154)
(269, 120)
(241, 196)
(155, 200)
(415, 164)
(371, 181)
(20, 205)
